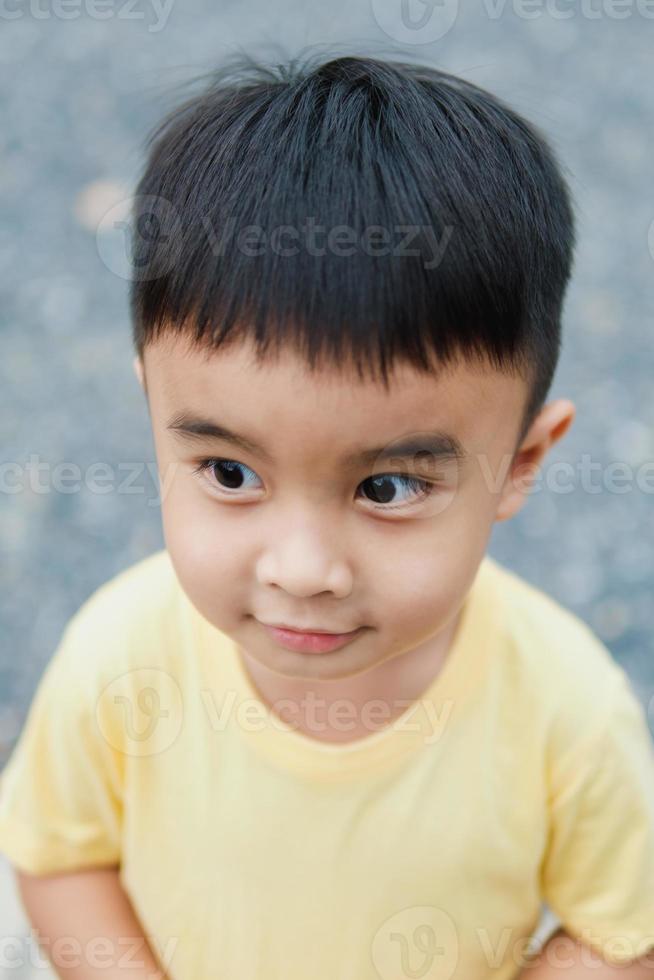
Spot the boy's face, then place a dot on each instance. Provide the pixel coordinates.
(293, 532)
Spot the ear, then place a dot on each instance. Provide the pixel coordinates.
(138, 370)
(552, 422)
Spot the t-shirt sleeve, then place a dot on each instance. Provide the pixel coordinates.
(60, 797)
(598, 868)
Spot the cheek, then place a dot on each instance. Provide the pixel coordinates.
(429, 574)
(416, 589)
(191, 518)
(206, 550)
(209, 574)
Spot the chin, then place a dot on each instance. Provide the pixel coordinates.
(336, 665)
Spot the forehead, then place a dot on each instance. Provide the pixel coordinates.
(281, 396)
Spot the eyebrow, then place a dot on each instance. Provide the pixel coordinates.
(441, 445)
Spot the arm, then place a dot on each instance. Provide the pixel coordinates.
(87, 925)
(565, 958)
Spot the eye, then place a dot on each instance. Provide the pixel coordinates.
(230, 476)
(382, 489)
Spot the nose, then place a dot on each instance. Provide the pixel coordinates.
(305, 559)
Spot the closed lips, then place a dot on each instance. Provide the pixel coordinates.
(307, 629)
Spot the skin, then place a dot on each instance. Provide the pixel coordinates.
(303, 541)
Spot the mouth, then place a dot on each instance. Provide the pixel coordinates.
(309, 642)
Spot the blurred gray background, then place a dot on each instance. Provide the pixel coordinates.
(81, 86)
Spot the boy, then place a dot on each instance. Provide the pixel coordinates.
(322, 733)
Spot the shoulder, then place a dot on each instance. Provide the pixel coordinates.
(138, 583)
(133, 619)
(562, 671)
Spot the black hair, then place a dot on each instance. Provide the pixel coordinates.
(408, 151)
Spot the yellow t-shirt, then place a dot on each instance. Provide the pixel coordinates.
(523, 776)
